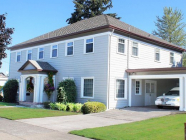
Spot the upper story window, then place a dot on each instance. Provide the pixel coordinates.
(18, 56)
(171, 57)
(89, 48)
(54, 51)
(121, 46)
(29, 57)
(70, 48)
(135, 49)
(157, 54)
(87, 87)
(41, 53)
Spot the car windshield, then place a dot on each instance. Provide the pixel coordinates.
(173, 93)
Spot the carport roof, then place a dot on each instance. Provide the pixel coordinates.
(156, 69)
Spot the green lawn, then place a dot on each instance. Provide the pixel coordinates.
(16, 113)
(163, 128)
(7, 104)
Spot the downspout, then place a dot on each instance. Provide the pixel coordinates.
(108, 77)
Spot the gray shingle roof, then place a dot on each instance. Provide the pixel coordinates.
(39, 65)
(95, 23)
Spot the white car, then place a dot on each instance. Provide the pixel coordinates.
(171, 98)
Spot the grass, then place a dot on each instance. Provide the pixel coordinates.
(163, 128)
(7, 104)
(16, 113)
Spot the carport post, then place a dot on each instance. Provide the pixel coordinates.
(130, 86)
(181, 93)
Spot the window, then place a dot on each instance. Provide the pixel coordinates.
(157, 54)
(138, 87)
(121, 46)
(135, 49)
(41, 53)
(18, 56)
(120, 88)
(171, 57)
(87, 87)
(89, 48)
(29, 57)
(70, 48)
(54, 51)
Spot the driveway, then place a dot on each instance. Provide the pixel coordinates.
(111, 117)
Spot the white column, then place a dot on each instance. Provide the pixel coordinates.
(130, 87)
(41, 89)
(181, 93)
(184, 85)
(54, 80)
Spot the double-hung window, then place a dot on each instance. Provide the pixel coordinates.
(121, 46)
(87, 87)
(171, 57)
(54, 51)
(89, 47)
(138, 87)
(29, 57)
(41, 53)
(70, 48)
(18, 56)
(157, 54)
(135, 49)
(120, 88)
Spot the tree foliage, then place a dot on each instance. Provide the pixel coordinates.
(170, 27)
(5, 37)
(89, 8)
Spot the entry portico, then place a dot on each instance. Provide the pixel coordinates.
(177, 75)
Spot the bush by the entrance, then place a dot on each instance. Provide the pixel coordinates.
(93, 107)
(10, 91)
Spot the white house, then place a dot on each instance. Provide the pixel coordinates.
(109, 60)
(3, 80)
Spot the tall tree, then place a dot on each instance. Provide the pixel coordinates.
(5, 37)
(89, 8)
(170, 27)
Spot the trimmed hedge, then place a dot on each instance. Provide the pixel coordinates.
(93, 107)
(10, 91)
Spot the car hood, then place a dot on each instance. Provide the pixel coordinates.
(170, 97)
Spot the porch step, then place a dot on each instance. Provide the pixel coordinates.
(31, 104)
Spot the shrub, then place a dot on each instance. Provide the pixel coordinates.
(52, 106)
(1, 98)
(61, 106)
(70, 106)
(46, 104)
(77, 107)
(69, 93)
(93, 107)
(10, 90)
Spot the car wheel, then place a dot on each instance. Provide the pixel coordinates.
(160, 107)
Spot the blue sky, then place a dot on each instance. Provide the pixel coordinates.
(32, 18)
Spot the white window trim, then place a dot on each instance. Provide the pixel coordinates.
(66, 48)
(140, 90)
(125, 94)
(82, 87)
(132, 49)
(170, 58)
(51, 48)
(124, 46)
(155, 55)
(27, 55)
(43, 53)
(16, 56)
(84, 51)
(64, 78)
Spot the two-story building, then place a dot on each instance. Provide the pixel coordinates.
(110, 61)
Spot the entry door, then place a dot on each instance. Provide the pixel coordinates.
(150, 92)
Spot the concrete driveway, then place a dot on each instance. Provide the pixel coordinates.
(111, 117)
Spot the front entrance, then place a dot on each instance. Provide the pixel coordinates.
(150, 92)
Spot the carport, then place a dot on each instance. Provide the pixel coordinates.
(153, 82)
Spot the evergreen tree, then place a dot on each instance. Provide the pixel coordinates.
(5, 37)
(89, 8)
(170, 27)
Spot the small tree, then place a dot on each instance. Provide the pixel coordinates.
(66, 91)
(10, 91)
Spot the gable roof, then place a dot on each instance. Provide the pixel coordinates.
(96, 23)
(2, 75)
(39, 65)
